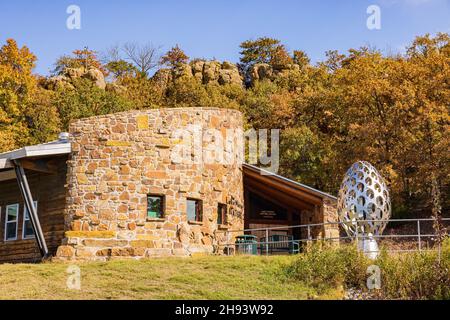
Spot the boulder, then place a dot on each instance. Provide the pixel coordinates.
(68, 75)
(211, 71)
(261, 71)
(229, 66)
(74, 73)
(204, 71)
(182, 70)
(197, 69)
(162, 77)
(96, 76)
(57, 82)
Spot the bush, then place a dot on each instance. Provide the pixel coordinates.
(416, 275)
(328, 267)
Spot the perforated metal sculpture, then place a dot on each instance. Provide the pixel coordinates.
(364, 206)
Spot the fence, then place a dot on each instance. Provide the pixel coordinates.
(273, 242)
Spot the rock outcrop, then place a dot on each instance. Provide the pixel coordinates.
(264, 71)
(204, 71)
(69, 75)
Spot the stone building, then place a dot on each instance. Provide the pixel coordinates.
(146, 183)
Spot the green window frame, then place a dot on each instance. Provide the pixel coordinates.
(155, 206)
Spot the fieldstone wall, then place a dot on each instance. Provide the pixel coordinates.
(330, 215)
(118, 159)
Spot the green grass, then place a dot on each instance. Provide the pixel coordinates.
(212, 277)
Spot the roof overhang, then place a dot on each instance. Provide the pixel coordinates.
(32, 157)
(5, 164)
(283, 185)
(40, 150)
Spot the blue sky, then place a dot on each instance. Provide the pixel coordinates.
(214, 29)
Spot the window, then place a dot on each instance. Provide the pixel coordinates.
(221, 213)
(27, 228)
(194, 210)
(155, 206)
(12, 213)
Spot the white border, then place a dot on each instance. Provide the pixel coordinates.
(23, 221)
(16, 221)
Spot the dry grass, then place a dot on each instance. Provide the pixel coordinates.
(168, 278)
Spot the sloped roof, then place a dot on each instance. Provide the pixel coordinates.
(57, 147)
(291, 183)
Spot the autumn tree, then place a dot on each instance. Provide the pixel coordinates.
(16, 85)
(80, 58)
(117, 66)
(87, 100)
(300, 58)
(392, 111)
(174, 57)
(261, 50)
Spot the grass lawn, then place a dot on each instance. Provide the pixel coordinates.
(240, 277)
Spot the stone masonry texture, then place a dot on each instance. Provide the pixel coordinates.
(117, 160)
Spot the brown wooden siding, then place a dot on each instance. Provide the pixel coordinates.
(50, 193)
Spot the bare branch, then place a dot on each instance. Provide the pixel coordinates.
(144, 57)
(111, 54)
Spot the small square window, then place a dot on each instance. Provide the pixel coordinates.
(194, 210)
(155, 206)
(221, 213)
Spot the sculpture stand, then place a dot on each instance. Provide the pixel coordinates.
(368, 245)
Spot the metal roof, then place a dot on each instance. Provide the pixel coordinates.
(57, 147)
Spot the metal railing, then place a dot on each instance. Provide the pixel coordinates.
(316, 232)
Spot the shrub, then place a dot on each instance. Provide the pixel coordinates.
(416, 275)
(328, 267)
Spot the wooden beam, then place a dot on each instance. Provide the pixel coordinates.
(283, 186)
(290, 186)
(40, 165)
(280, 198)
(7, 175)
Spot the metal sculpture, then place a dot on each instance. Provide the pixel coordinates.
(364, 206)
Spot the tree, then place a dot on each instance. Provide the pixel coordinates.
(333, 61)
(42, 117)
(16, 86)
(120, 68)
(81, 58)
(144, 57)
(300, 58)
(116, 65)
(263, 50)
(87, 100)
(174, 57)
